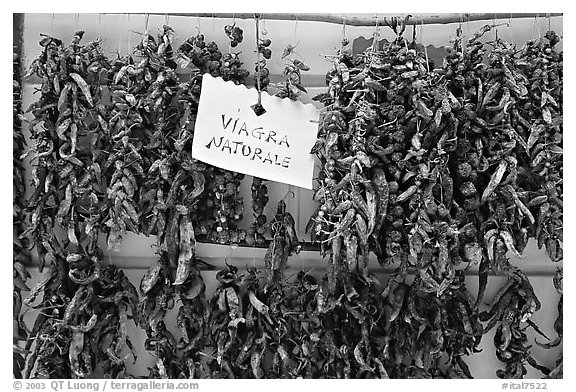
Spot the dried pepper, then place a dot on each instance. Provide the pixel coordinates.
(220, 208)
(426, 169)
(255, 234)
(440, 151)
(513, 305)
(558, 370)
(283, 244)
(292, 87)
(70, 192)
(157, 298)
(21, 256)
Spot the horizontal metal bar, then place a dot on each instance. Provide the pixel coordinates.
(242, 257)
(369, 20)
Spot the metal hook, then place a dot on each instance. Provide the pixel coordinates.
(289, 193)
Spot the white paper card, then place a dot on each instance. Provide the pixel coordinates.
(275, 145)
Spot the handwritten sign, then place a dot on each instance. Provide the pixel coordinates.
(275, 145)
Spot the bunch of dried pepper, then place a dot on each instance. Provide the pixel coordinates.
(389, 144)
(70, 191)
(558, 370)
(255, 233)
(220, 208)
(387, 109)
(538, 122)
(19, 247)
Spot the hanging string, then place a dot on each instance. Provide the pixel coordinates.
(460, 35)
(511, 29)
(423, 44)
(290, 193)
(230, 41)
(465, 35)
(121, 35)
(146, 20)
(264, 31)
(76, 20)
(254, 255)
(343, 28)
(376, 35)
(257, 19)
(295, 29)
(468, 24)
(199, 24)
(99, 25)
(535, 28)
(549, 28)
(167, 19)
(495, 28)
(129, 48)
(52, 24)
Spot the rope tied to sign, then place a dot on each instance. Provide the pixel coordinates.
(258, 108)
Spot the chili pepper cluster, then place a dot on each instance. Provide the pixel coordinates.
(235, 34)
(259, 190)
(430, 170)
(80, 302)
(293, 84)
(255, 234)
(263, 73)
(19, 248)
(220, 208)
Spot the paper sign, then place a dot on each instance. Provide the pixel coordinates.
(275, 145)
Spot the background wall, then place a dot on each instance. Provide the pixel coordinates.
(313, 39)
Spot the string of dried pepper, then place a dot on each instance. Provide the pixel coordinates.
(219, 208)
(424, 169)
(21, 255)
(73, 191)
